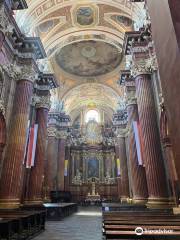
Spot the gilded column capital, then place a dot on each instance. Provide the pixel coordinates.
(51, 131)
(42, 101)
(142, 66)
(131, 100)
(120, 132)
(62, 134)
(25, 72)
(144, 60)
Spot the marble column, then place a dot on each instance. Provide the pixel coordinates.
(13, 170)
(52, 153)
(37, 175)
(152, 155)
(61, 160)
(137, 172)
(123, 180)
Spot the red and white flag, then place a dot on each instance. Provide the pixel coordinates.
(32, 146)
(137, 134)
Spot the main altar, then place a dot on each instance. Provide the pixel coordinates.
(93, 167)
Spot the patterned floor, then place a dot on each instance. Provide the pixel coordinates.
(84, 225)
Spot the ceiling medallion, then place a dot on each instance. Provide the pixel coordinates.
(88, 51)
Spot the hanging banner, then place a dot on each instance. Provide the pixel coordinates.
(66, 168)
(32, 146)
(138, 141)
(118, 167)
(26, 143)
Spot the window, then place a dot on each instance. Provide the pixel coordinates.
(92, 115)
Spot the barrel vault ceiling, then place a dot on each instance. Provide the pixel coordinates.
(83, 40)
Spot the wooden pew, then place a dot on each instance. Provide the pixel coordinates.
(122, 225)
(21, 224)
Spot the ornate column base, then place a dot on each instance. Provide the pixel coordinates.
(36, 202)
(160, 203)
(139, 201)
(9, 203)
(47, 200)
(124, 199)
(176, 210)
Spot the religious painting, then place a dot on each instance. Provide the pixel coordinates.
(89, 58)
(93, 133)
(85, 16)
(93, 167)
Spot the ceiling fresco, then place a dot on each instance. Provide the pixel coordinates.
(83, 40)
(89, 58)
(85, 16)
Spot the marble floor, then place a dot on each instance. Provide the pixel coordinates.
(86, 224)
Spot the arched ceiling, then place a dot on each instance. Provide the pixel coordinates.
(83, 40)
(91, 95)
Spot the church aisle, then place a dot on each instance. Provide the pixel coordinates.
(86, 224)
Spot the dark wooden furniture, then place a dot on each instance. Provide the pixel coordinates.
(16, 224)
(57, 211)
(155, 225)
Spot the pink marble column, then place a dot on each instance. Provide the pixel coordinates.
(61, 160)
(137, 172)
(123, 180)
(52, 156)
(13, 170)
(37, 175)
(152, 155)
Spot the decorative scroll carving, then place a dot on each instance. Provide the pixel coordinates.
(144, 66)
(25, 72)
(16, 72)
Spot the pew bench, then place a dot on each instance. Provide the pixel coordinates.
(122, 225)
(21, 224)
